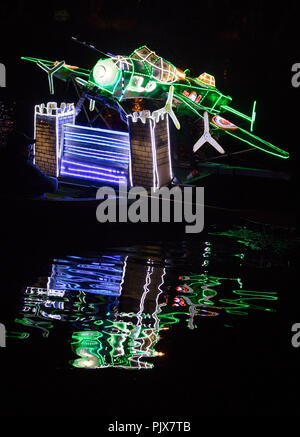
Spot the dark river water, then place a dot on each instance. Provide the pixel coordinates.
(187, 329)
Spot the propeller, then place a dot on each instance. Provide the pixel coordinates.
(50, 71)
(167, 109)
(207, 138)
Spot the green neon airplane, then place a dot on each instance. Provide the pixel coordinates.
(144, 74)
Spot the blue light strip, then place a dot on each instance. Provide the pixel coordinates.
(95, 129)
(94, 178)
(91, 166)
(94, 141)
(91, 172)
(101, 158)
(95, 154)
(122, 140)
(110, 139)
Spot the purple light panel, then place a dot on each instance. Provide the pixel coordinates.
(93, 154)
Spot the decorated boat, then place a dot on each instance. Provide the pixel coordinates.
(151, 97)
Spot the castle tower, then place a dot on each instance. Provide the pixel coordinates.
(48, 122)
(150, 160)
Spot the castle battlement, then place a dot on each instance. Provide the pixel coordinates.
(52, 109)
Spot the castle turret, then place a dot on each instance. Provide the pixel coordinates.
(150, 163)
(48, 122)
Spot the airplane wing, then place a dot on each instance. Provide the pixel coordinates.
(257, 142)
(232, 130)
(59, 69)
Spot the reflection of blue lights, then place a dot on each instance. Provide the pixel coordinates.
(77, 275)
(99, 155)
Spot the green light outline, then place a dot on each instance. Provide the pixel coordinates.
(281, 153)
(253, 116)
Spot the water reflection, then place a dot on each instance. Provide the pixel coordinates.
(115, 308)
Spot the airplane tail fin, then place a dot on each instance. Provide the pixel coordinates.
(250, 119)
(253, 116)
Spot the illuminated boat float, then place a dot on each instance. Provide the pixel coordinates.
(85, 157)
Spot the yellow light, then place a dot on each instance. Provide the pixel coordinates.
(180, 74)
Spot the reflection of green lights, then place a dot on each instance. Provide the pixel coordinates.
(247, 297)
(127, 339)
(89, 336)
(169, 318)
(119, 344)
(42, 325)
(19, 335)
(203, 293)
(99, 322)
(23, 321)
